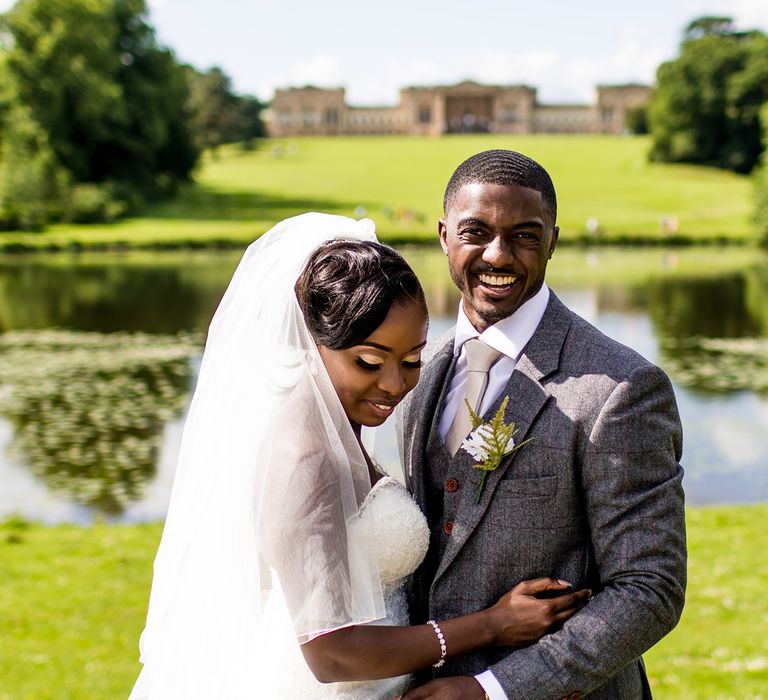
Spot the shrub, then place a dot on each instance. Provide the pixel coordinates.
(32, 180)
(89, 203)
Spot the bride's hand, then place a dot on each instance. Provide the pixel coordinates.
(520, 618)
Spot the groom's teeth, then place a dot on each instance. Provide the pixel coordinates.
(497, 280)
(382, 407)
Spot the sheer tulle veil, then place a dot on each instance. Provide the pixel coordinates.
(269, 477)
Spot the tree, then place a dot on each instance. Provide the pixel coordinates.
(33, 183)
(705, 108)
(107, 101)
(761, 184)
(213, 105)
(156, 150)
(709, 26)
(220, 115)
(636, 119)
(248, 125)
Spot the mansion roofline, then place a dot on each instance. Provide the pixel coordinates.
(461, 108)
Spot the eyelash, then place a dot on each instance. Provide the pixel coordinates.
(373, 368)
(367, 365)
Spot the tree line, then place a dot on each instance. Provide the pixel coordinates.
(97, 118)
(710, 106)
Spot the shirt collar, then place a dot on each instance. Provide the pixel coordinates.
(510, 335)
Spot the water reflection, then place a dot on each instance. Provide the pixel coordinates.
(93, 419)
(88, 410)
(155, 293)
(713, 308)
(725, 446)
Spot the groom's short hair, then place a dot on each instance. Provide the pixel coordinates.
(501, 167)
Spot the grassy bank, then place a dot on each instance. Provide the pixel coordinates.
(720, 649)
(72, 603)
(399, 181)
(73, 600)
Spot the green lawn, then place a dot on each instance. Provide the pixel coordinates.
(719, 650)
(73, 600)
(399, 181)
(72, 603)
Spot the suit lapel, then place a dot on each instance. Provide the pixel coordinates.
(527, 397)
(420, 413)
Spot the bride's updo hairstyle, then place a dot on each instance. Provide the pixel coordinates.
(348, 287)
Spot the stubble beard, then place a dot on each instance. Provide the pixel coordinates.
(493, 314)
(487, 316)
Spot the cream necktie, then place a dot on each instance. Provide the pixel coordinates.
(480, 357)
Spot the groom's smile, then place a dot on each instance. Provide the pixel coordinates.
(497, 285)
(496, 281)
(498, 239)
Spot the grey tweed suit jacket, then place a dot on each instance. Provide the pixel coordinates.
(595, 499)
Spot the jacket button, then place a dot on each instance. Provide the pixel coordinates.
(448, 527)
(451, 485)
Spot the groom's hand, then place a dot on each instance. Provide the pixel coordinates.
(455, 688)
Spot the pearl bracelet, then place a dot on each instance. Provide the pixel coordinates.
(441, 639)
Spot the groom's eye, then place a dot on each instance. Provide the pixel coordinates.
(473, 232)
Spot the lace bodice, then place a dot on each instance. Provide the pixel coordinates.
(395, 528)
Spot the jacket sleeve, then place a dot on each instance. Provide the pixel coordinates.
(632, 491)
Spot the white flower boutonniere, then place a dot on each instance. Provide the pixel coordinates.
(490, 442)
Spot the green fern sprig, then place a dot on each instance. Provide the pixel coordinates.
(490, 442)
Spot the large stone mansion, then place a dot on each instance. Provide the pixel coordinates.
(444, 109)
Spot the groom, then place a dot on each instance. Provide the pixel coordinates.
(593, 498)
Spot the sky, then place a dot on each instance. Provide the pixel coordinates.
(563, 49)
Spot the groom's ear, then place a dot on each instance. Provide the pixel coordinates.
(442, 231)
(553, 242)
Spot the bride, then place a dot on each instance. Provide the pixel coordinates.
(281, 569)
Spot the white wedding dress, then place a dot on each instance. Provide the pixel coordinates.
(271, 477)
(391, 524)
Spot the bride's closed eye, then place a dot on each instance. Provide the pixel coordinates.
(369, 362)
(373, 364)
(413, 362)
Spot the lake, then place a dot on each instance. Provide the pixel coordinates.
(99, 353)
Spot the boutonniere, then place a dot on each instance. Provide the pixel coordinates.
(490, 442)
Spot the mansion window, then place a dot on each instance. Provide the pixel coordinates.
(425, 115)
(509, 115)
(331, 116)
(309, 117)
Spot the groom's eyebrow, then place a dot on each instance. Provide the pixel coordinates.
(470, 221)
(386, 349)
(474, 221)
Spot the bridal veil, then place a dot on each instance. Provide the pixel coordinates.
(269, 477)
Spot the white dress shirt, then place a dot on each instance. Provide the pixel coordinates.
(509, 336)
